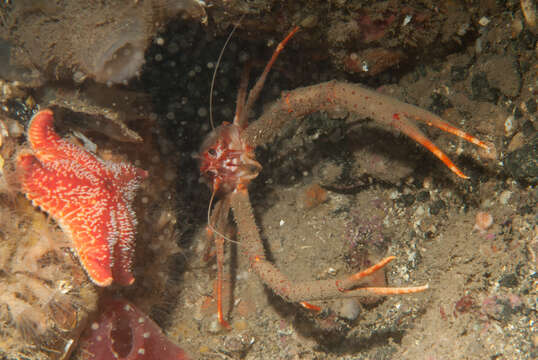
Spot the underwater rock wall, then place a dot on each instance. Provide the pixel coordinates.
(103, 41)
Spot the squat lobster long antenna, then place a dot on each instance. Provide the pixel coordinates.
(215, 72)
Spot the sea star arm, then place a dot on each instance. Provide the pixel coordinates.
(89, 198)
(49, 146)
(124, 248)
(94, 234)
(128, 180)
(79, 208)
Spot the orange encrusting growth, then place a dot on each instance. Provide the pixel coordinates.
(314, 196)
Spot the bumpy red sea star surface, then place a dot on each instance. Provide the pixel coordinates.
(89, 198)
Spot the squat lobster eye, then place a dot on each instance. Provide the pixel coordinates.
(212, 152)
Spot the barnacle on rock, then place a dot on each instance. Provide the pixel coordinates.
(105, 41)
(117, 54)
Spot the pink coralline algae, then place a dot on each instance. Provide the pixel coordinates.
(365, 229)
(375, 30)
(124, 332)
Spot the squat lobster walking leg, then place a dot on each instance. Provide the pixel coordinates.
(219, 219)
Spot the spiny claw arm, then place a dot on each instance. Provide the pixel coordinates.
(304, 290)
(414, 113)
(241, 115)
(334, 96)
(414, 133)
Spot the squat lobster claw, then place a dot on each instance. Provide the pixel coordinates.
(228, 163)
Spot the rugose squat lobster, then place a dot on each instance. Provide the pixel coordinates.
(227, 162)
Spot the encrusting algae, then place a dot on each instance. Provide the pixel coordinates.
(44, 294)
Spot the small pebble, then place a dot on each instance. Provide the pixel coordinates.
(490, 153)
(437, 206)
(214, 326)
(483, 21)
(79, 77)
(505, 197)
(332, 271)
(509, 125)
(508, 280)
(483, 221)
(240, 325)
(423, 196)
(350, 309)
(238, 343)
(309, 22)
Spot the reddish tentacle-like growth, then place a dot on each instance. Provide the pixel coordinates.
(123, 332)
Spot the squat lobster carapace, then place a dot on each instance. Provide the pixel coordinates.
(228, 164)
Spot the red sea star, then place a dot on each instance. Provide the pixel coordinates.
(89, 198)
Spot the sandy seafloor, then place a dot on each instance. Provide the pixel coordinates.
(384, 196)
(376, 194)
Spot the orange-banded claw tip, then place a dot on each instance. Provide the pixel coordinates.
(396, 291)
(372, 269)
(440, 155)
(309, 306)
(225, 324)
(220, 313)
(451, 129)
